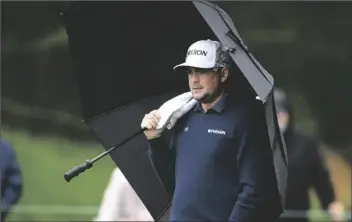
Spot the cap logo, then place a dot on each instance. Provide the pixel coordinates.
(197, 52)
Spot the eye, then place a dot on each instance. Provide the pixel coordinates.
(200, 70)
(188, 71)
(203, 71)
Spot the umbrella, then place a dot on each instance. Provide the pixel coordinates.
(123, 54)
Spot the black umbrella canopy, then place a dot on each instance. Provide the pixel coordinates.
(125, 51)
(123, 54)
(131, 47)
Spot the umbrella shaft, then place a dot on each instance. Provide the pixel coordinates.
(117, 145)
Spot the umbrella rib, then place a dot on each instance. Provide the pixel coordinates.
(164, 211)
(236, 39)
(110, 111)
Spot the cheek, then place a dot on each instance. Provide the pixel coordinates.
(210, 83)
(190, 82)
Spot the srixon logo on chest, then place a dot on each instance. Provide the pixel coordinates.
(197, 52)
(214, 131)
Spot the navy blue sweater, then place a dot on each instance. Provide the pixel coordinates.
(10, 178)
(219, 165)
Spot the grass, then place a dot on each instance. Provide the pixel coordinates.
(44, 161)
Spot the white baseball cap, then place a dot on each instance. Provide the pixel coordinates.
(206, 54)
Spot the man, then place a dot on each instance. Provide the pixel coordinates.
(121, 203)
(306, 167)
(218, 165)
(11, 179)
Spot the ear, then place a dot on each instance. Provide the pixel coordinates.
(224, 74)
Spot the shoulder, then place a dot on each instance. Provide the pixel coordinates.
(182, 121)
(6, 148)
(309, 143)
(249, 111)
(249, 117)
(305, 138)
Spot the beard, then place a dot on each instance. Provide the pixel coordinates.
(208, 97)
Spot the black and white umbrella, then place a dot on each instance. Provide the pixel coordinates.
(123, 54)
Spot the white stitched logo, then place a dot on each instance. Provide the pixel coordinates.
(216, 131)
(186, 129)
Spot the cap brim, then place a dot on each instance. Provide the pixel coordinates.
(185, 64)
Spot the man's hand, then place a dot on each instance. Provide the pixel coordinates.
(150, 121)
(336, 211)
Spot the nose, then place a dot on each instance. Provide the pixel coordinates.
(194, 77)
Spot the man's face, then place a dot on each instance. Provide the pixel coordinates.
(203, 83)
(283, 119)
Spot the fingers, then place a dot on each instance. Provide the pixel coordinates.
(150, 121)
(155, 116)
(336, 209)
(145, 122)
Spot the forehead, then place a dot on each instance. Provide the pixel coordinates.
(199, 70)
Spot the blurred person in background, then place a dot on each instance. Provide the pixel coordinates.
(121, 203)
(306, 167)
(11, 179)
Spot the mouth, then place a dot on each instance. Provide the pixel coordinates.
(197, 88)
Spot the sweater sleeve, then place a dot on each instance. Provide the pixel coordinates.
(162, 157)
(258, 197)
(12, 192)
(322, 182)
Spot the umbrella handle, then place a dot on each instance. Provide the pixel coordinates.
(78, 170)
(89, 163)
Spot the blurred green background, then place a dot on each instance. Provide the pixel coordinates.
(44, 160)
(305, 45)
